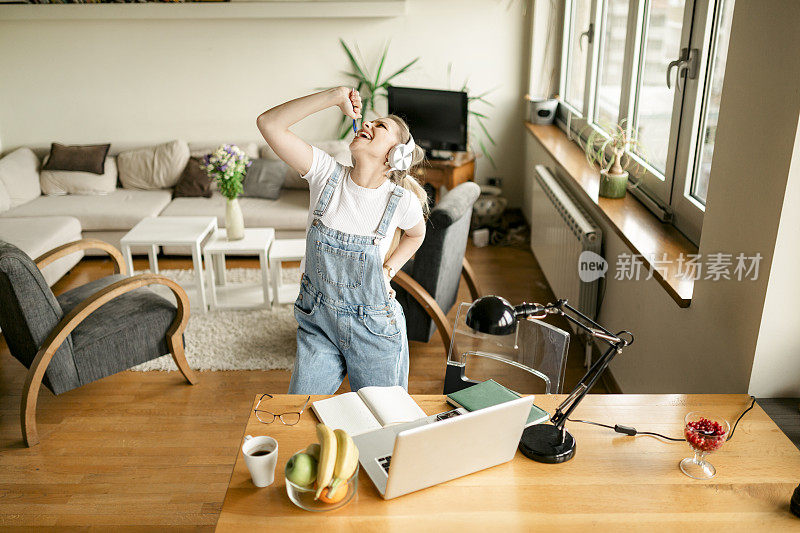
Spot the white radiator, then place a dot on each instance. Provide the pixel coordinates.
(560, 230)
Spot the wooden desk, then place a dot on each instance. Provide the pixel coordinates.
(447, 173)
(614, 482)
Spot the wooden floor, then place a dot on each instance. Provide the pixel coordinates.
(148, 451)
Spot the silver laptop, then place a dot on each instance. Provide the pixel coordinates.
(408, 457)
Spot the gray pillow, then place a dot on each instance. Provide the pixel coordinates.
(264, 179)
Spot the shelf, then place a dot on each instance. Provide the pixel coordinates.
(206, 10)
(638, 228)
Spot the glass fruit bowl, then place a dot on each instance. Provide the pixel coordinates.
(303, 497)
(705, 433)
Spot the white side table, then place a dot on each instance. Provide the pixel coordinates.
(285, 250)
(256, 241)
(171, 231)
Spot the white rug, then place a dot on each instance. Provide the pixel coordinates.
(256, 339)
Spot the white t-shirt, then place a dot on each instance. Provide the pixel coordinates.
(354, 209)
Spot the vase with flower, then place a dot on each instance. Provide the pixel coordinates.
(227, 165)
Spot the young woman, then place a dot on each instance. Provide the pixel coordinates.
(349, 322)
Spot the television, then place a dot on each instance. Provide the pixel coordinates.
(437, 119)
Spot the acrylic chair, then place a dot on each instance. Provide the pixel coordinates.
(529, 361)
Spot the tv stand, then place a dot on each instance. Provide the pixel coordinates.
(448, 173)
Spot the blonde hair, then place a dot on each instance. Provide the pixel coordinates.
(406, 180)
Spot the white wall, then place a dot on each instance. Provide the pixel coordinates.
(776, 366)
(710, 346)
(142, 81)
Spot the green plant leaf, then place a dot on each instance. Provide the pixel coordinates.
(478, 114)
(399, 71)
(353, 61)
(485, 131)
(487, 154)
(484, 101)
(380, 65)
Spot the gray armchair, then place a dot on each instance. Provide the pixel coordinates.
(87, 333)
(427, 286)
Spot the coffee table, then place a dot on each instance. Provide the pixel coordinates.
(285, 250)
(171, 231)
(256, 241)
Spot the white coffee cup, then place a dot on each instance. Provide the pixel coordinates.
(261, 467)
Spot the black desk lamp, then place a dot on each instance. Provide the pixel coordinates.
(493, 315)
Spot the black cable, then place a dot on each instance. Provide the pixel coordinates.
(632, 432)
(740, 417)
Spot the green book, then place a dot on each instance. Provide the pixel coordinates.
(489, 393)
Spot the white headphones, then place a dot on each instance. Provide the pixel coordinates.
(401, 156)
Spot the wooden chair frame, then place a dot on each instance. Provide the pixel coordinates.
(428, 303)
(33, 381)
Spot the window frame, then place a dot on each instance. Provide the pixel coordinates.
(668, 195)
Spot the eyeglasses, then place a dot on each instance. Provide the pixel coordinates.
(288, 418)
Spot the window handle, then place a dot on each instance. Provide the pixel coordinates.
(687, 66)
(589, 34)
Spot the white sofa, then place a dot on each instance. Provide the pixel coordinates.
(36, 223)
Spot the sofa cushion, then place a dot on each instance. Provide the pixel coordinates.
(264, 179)
(338, 149)
(37, 235)
(119, 210)
(128, 330)
(60, 182)
(154, 167)
(194, 181)
(77, 158)
(19, 172)
(289, 211)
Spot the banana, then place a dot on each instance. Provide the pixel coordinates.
(346, 459)
(327, 457)
(313, 450)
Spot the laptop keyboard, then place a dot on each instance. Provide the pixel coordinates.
(385, 462)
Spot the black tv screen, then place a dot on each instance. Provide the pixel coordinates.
(438, 119)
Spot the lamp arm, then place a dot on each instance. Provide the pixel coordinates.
(566, 407)
(616, 344)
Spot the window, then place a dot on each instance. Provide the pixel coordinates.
(579, 37)
(617, 58)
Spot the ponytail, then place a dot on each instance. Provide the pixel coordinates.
(406, 179)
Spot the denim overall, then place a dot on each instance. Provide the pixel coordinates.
(347, 323)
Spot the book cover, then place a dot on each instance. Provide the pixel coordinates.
(488, 393)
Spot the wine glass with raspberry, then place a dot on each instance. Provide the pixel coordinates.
(705, 433)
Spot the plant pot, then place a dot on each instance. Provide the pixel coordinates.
(613, 185)
(234, 221)
(542, 110)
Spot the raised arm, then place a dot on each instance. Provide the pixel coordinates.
(274, 123)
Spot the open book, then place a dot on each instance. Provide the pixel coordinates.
(368, 409)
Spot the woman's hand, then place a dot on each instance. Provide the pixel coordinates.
(350, 102)
(387, 281)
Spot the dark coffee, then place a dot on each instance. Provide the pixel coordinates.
(260, 453)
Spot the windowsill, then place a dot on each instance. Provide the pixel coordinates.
(639, 229)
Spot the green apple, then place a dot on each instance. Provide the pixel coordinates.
(301, 469)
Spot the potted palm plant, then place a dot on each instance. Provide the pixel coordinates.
(607, 149)
(370, 86)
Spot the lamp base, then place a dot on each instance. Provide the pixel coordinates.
(543, 443)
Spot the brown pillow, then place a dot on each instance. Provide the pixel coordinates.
(194, 181)
(80, 158)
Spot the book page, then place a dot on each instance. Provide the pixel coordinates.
(346, 411)
(391, 405)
